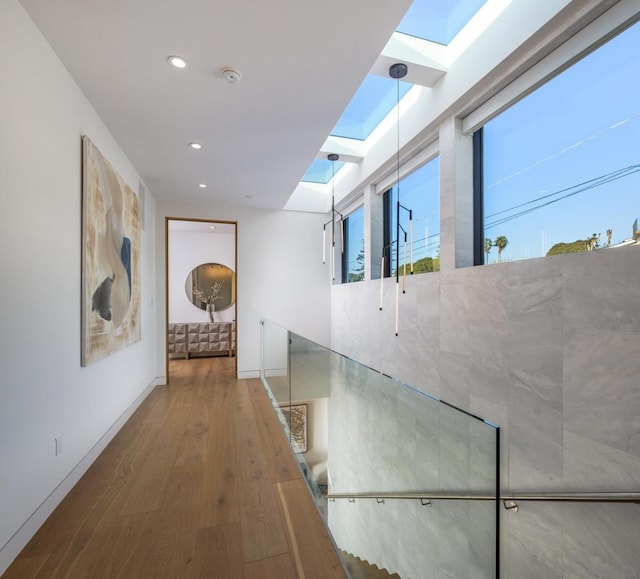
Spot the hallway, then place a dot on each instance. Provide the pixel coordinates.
(200, 482)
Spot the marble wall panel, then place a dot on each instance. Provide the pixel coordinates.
(534, 306)
(602, 291)
(418, 545)
(601, 541)
(535, 541)
(368, 337)
(498, 413)
(535, 440)
(427, 458)
(339, 330)
(535, 346)
(482, 539)
(454, 450)
(601, 393)
(489, 378)
(347, 521)
(488, 344)
(590, 466)
(449, 539)
(427, 344)
(455, 552)
(383, 533)
(400, 352)
(428, 296)
(482, 457)
(407, 440)
(487, 294)
(455, 379)
(532, 284)
(454, 311)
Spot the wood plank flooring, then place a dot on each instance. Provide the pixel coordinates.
(200, 483)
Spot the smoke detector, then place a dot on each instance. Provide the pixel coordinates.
(231, 75)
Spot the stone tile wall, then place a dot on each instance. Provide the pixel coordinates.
(549, 349)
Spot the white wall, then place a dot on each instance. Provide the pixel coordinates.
(317, 438)
(43, 390)
(279, 274)
(188, 250)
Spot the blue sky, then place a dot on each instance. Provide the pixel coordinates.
(438, 21)
(582, 125)
(560, 165)
(420, 192)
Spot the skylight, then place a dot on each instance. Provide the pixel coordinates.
(377, 95)
(438, 21)
(320, 171)
(372, 102)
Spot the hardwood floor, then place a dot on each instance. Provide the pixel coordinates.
(199, 483)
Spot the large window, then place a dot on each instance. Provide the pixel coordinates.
(353, 256)
(420, 199)
(561, 167)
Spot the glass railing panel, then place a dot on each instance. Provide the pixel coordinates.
(385, 436)
(310, 394)
(447, 539)
(274, 369)
(367, 433)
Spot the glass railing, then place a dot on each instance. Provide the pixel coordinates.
(403, 480)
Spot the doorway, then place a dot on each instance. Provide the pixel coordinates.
(201, 289)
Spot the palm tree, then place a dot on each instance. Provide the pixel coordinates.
(488, 244)
(501, 242)
(593, 242)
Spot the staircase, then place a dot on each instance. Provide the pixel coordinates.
(360, 569)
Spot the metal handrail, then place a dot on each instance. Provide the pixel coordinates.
(510, 501)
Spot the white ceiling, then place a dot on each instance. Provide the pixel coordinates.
(208, 227)
(301, 62)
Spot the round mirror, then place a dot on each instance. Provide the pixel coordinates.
(211, 284)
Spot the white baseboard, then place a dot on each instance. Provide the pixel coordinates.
(23, 535)
(248, 374)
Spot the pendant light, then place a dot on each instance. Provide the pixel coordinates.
(398, 71)
(333, 157)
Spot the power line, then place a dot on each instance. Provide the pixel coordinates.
(619, 172)
(574, 190)
(575, 145)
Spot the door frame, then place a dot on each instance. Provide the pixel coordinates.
(166, 284)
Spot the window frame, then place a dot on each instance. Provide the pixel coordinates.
(584, 44)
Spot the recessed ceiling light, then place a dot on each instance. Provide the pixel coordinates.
(212, 226)
(248, 196)
(202, 185)
(195, 145)
(177, 61)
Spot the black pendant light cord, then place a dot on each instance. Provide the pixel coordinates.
(398, 71)
(398, 179)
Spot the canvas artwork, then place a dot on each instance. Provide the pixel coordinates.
(296, 417)
(110, 258)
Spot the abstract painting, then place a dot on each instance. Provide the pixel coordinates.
(296, 417)
(110, 258)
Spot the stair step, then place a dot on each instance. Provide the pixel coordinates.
(361, 569)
